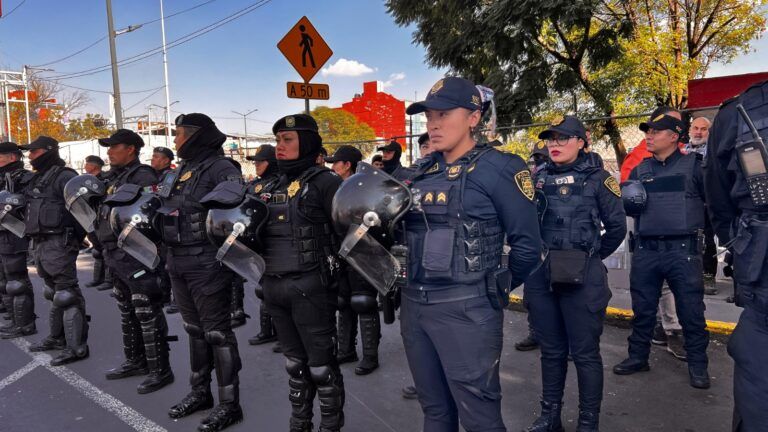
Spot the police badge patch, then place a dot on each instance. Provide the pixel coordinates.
(435, 88)
(186, 176)
(454, 172)
(613, 186)
(525, 184)
(293, 188)
(258, 188)
(290, 122)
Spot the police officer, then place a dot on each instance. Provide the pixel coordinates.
(667, 247)
(736, 192)
(391, 157)
(357, 298)
(201, 285)
(94, 166)
(102, 278)
(567, 296)
(139, 297)
(266, 170)
(299, 280)
(161, 163)
(425, 146)
(161, 160)
(15, 286)
(56, 237)
(468, 198)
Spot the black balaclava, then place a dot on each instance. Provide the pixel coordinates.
(11, 167)
(204, 143)
(47, 160)
(391, 165)
(309, 147)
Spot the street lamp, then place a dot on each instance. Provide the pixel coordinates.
(245, 125)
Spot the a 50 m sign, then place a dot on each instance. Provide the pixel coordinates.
(297, 90)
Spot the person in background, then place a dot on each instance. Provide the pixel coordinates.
(377, 161)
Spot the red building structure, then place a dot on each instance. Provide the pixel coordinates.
(381, 111)
(711, 92)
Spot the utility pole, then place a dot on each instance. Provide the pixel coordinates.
(149, 126)
(25, 78)
(115, 78)
(245, 125)
(167, 90)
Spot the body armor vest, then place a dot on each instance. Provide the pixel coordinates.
(447, 247)
(571, 219)
(46, 212)
(103, 229)
(672, 209)
(15, 182)
(296, 241)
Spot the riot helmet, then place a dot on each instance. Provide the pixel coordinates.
(634, 197)
(12, 212)
(367, 207)
(233, 225)
(82, 196)
(132, 221)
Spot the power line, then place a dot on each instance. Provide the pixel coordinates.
(14, 9)
(144, 99)
(104, 37)
(99, 91)
(182, 40)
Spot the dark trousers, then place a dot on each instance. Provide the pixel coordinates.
(569, 318)
(748, 346)
(709, 258)
(671, 262)
(56, 259)
(453, 351)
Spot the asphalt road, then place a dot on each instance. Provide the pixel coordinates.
(37, 397)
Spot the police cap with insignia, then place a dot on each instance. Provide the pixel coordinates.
(345, 153)
(93, 159)
(540, 148)
(663, 122)
(265, 152)
(296, 122)
(165, 151)
(9, 147)
(41, 142)
(569, 126)
(447, 94)
(123, 136)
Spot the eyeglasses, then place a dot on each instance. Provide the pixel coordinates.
(559, 141)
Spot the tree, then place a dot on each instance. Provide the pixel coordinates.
(337, 125)
(91, 127)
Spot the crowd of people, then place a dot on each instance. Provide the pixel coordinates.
(445, 240)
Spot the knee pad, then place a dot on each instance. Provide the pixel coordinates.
(65, 298)
(322, 375)
(296, 367)
(48, 293)
(216, 337)
(363, 303)
(259, 291)
(193, 330)
(16, 288)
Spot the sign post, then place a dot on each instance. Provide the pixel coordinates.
(307, 52)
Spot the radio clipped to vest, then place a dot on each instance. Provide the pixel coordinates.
(753, 160)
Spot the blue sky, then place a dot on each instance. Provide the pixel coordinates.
(235, 67)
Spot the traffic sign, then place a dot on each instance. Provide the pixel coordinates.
(297, 90)
(305, 49)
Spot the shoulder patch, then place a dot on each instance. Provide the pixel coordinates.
(433, 168)
(525, 184)
(612, 185)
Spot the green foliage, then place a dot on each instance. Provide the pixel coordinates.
(93, 126)
(337, 125)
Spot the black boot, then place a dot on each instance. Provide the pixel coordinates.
(98, 269)
(7, 311)
(549, 420)
(267, 333)
(347, 336)
(528, 344)
(23, 317)
(107, 283)
(330, 393)
(76, 335)
(201, 363)
(228, 411)
(370, 334)
(301, 394)
(133, 349)
(237, 313)
(154, 331)
(588, 422)
(55, 340)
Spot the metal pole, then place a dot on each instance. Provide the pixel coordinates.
(115, 78)
(149, 125)
(26, 102)
(306, 106)
(7, 110)
(167, 90)
(410, 140)
(245, 131)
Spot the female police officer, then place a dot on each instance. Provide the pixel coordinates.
(568, 295)
(467, 198)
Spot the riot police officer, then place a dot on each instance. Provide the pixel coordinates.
(161, 163)
(357, 298)
(15, 286)
(667, 247)
(735, 176)
(266, 170)
(201, 285)
(102, 277)
(467, 198)
(299, 281)
(391, 157)
(568, 295)
(56, 237)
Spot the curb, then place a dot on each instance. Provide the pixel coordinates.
(618, 316)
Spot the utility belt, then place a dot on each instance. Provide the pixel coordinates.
(67, 233)
(190, 250)
(419, 295)
(693, 243)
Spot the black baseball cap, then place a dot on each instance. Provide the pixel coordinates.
(392, 146)
(663, 122)
(9, 147)
(41, 142)
(423, 138)
(94, 160)
(197, 120)
(165, 151)
(296, 122)
(345, 153)
(540, 148)
(265, 152)
(123, 136)
(566, 126)
(449, 93)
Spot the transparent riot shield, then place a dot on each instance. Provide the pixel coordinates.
(372, 260)
(11, 223)
(137, 245)
(239, 257)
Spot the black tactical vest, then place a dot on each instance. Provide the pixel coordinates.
(46, 213)
(298, 237)
(103, 229)
(446, 246)
(673, 209)
(570, 219)
(14, 182)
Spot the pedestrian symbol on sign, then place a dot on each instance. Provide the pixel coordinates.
(306, 43)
